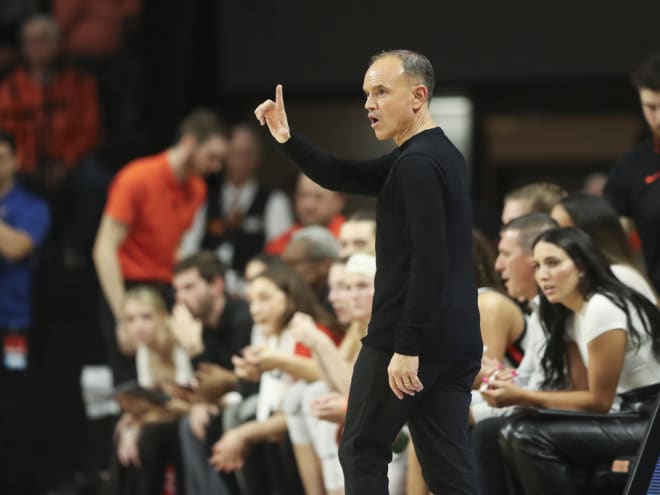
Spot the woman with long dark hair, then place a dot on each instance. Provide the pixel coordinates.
(616, 332)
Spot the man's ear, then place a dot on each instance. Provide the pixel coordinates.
(420, 96)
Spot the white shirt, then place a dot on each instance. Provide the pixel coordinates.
(183, 368)
(274, 383)
(600, 315)
(277, 218)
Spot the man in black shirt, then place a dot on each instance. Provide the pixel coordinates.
(423, 346)
(633, 186)
(226, 331)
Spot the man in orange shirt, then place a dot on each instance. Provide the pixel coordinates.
(151, 203)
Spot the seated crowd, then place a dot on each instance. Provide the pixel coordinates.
(232, 318)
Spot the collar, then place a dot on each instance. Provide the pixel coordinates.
(249, 186)
(168, 174)
(656, 145)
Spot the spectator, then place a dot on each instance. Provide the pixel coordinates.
(313, 205)
(151, 203)
(358, 234)
(275, 295)
(633, 185)
(53, 111)
(23, 225)
(227, 325)
(311, 252)
(598, 219)
(615, 332)
(241, 215)
(161, 365)
(93, 28)
(314, 441)
(538, 197)
(502, 322)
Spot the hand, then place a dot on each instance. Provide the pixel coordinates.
(265, 358)
(304, 330)
(127, 449)
(489, 364)
(200, 414)
(402, 373)
(501, 393)
(272, 113)
(187, 330)
(330, 407)
(245, 370)
(229, 452)
(126, 344)
(214, 381)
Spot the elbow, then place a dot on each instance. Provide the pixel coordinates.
(600, 405)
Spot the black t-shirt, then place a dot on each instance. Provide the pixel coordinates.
(230, 336)
(425, 302)
(633, 189)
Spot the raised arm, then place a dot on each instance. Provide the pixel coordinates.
(350, 176)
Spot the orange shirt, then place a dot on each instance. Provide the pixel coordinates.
(279, 244)
(146, 196)
(56, 122)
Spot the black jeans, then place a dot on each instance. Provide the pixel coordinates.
(490, 463)
(543, 451)
(437, 418)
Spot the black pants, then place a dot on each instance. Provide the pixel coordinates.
(491, 465)
(543, 452)
(437, 418)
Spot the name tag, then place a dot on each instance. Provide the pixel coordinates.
(14, 351)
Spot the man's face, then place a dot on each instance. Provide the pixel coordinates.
(195, 293)
(650, 100)
(209, 155)
(516, 266)
(243, 157)
(7, 164)
(357, 236)
(391, 101)
(315, 205)
(40, 44)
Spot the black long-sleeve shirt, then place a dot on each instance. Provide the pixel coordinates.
(425, 302)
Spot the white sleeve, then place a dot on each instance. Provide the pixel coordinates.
(277, 215)
(192, 239)
(182, 366)
(601, 316)
(144, 377)
(633, 279)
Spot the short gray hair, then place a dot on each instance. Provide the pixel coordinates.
(529, 227)
(414, 65)
(321, 243)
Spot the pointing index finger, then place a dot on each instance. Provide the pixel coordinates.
(279, 96)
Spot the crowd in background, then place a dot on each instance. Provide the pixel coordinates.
(230, 315)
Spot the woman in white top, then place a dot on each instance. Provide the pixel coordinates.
(603, 340)
(161, 363)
